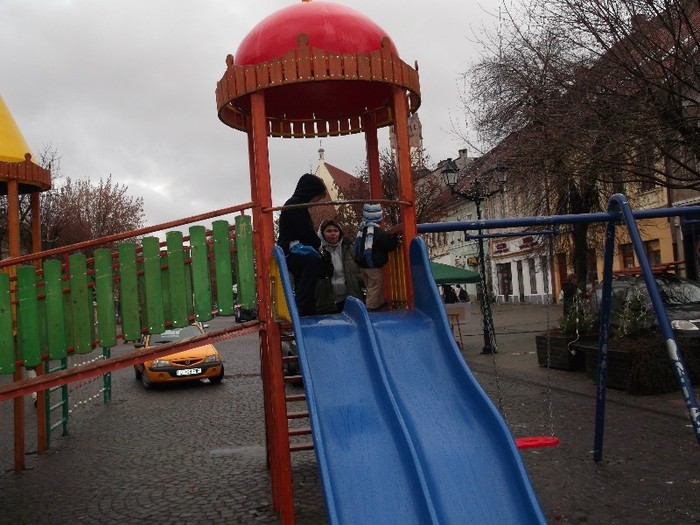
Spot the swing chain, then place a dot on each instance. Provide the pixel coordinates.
(548, 394)
(499, 391)
(489, 326)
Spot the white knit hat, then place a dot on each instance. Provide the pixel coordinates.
(372, 213)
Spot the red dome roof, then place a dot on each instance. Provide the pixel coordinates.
(324, 70)
(331, 27)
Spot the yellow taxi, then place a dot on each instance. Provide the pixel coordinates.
(201, 362)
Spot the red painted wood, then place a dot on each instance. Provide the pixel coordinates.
(537, 442)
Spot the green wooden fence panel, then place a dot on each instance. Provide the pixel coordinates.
(128, 293)
(81, 304)
(141, 288)
(104, 290)
(188, 285)
(28, 336)
(165, 285)
(155, 316)
(201, 283)
(55, 316)
(7, 340)
(222, 267)
(67, 308)
(177, 273)
(246, 263)
(43, 330)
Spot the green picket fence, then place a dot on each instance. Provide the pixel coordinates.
(75, 306)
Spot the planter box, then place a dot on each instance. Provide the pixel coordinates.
(560, 353)
(639, 369)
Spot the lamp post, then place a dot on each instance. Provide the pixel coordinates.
(477, 193)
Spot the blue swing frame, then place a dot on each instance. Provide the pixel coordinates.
(618, 211)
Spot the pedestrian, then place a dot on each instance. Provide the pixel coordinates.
(297, 237)
(448, 294)
(462, 295)
(569, 291)
(371, 252)
(345, 279)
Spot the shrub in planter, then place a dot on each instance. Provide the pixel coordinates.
(637, 366)
(556, 349)
(638, 362)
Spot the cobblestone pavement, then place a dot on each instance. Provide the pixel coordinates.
(196, 454)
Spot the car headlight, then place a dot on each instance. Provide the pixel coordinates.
(682, 324)
(160, 363)
(212, 359)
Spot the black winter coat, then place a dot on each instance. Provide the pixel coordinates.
(296, 224)
(382, 244)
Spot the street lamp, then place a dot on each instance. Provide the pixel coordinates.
(477, 192)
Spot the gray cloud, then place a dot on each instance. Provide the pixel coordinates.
(127, 88)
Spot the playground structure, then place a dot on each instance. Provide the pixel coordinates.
(291, 89)
(19, 175)
(314, 69)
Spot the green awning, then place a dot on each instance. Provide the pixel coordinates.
(446, 274)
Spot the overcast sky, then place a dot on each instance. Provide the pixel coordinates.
(126, 87)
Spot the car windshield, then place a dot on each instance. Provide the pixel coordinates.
(674, 291)
(176, 334)
(677, 292)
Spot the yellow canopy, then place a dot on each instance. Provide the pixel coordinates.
(13, 147)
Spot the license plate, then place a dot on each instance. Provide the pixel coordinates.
(188, 372)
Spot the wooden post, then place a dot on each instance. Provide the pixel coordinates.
(372, 142)
(278, 432)
(42, 445)
(403, 158)
(14, 251)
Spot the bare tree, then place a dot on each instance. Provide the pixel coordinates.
(430, 193)
(89, 211)
(644, 81)
(584, 96)
(75, 210)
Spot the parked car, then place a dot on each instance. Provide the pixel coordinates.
(680, 296)
(201, 362)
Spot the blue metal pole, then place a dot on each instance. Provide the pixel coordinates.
(539, 221)
(469, 236)
(602, 372)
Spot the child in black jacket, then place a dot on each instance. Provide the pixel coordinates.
(297, 237)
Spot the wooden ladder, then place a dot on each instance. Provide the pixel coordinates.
(297, 410)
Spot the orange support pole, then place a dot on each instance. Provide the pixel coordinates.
(42, 445)
(14, 251)
(280, 457)
(372, 142)
(403, 154)
(375, 187)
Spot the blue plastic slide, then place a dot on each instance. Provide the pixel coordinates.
(403, 433)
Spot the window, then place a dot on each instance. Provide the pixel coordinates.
(545, 273)
(646, 169)
(653, 250)
(592, 265)
(505, 280)
(533, 275)
(627, 255)
(647, 185)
